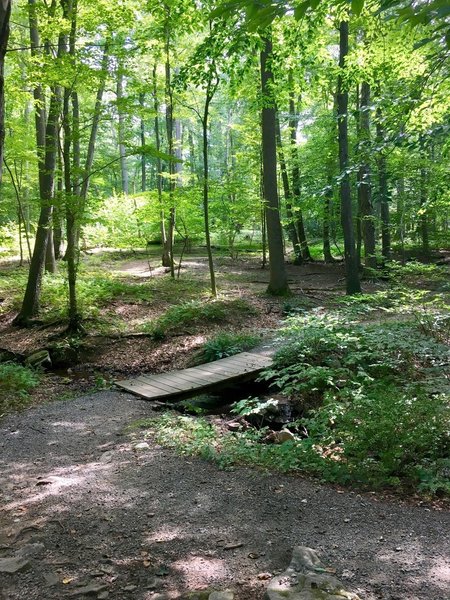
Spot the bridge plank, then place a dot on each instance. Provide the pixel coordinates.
(193, 380)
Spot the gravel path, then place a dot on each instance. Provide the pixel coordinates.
(90, 514)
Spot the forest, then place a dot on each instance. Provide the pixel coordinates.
(181, 180)
(188, 181)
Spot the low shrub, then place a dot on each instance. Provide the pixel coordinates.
(226, 344)
(193, 312)
(16, 381)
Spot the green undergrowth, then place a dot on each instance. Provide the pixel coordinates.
(415, 271)
(16, 382)
(398, 300)
(96, 289)
(226, 344)
(193, 312)
(372, 404)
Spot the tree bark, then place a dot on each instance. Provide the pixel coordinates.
(353, 285)
(47, 169)
(165, 259)
(121, 131)
(364, 183)
(170, 145)
(72, 164)
(5, 13)
(278, 284)
(94, 128)
(423, 219)
(383, 191)
(50, 258)
(30, 305)
(296, 184)
(292, 230)
(328, 257)
(211, 88)
(142, 132)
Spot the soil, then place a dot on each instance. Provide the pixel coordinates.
(121, 519)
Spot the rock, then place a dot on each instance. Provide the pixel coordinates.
(13, 565)
(91, 589)
(284, 436)
(41, 358)
(234, 426)
(21, 560)
(142, 446)
(279, 437)
(31, 550)
(51, 579)
(307, 578)
(225, 595)
(108, 456)
(130, 588)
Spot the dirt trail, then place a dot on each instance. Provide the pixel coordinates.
(146, 524)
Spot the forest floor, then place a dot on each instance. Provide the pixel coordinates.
(95, 511)
(92, 507)
(118, 344)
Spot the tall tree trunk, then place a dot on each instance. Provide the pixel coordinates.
(292, 230)
(383, 190)
(353, 285)
(296, 184)
(72, 168)
(30, 305)
(170, 144)
(166, 262)
(5, 13)
(359, 177)
(211, 88)
(364, 183)
(263, 215)
(143, 161)
(84, 186)
(121, 131)
(424, 233)
(328, 257)
(50, 258)
(47, 153)
(192, 159)
(57, 213)
(278, 284)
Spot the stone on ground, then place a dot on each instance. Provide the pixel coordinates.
(226, 595)
(21, 560)
(307, 578)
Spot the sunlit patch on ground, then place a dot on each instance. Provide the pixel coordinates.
(199, 571)
(164, 534)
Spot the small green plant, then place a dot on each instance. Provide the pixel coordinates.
(226, 344)
(325, 353)
(194, 312)
(414, 270)
(16, 382)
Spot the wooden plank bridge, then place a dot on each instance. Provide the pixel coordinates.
(188, 382)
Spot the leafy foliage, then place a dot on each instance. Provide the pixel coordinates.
(194, 312)
(16, 381)
(226, 344)
(374, 404)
